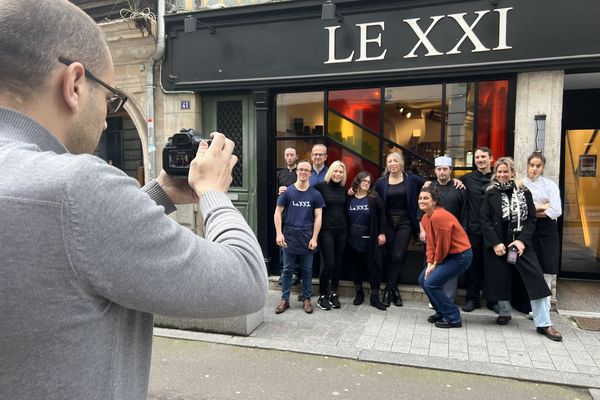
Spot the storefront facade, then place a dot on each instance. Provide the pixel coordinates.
(422, 77)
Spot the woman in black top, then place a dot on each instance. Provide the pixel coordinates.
(366, 236)
(332, 237)
(399, 191)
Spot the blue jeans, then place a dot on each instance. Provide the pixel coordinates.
(540, 309)
(289, 261)
(451, 267)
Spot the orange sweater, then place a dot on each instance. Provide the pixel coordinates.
(444, 235)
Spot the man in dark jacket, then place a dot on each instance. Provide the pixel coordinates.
(476, 183)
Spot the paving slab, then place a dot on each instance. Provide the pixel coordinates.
(402, 336)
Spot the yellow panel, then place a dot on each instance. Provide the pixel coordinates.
(354, 137)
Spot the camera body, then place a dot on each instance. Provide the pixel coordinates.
(180, 150)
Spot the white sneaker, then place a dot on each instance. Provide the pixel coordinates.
(430, 306)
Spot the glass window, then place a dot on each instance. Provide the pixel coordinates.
(354, 164)
(492, 111)
(303, 149)
(459, 123)
(362, 106)
(413, 118)
(353, 136)
(300, 114)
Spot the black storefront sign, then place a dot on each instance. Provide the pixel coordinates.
(288, 43)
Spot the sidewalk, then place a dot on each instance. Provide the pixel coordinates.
(402, 336)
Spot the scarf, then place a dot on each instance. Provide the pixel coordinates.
(514, 209)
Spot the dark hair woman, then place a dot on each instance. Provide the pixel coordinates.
(448, 254)
(548, 207)
(508, 223)
(366, 235)
(398, 191)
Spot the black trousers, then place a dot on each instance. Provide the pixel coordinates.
(474, 275)
(358, 262)
(332, 243)
(397, 239)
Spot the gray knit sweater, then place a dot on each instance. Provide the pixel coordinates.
(86, 258)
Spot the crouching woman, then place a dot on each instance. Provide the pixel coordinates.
(449, 254)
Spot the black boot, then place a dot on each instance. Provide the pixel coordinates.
(387, 298)
(396, 299)
(360, 297)
(375, 302)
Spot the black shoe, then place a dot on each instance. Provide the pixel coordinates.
(396, 298)
(470, 305)
(550, 333)
(375, 302)
(300, 298)
(387, 298)
(334, 300)
(503, 319)
(323, 302)
(493, 306)
(446, 324)
(360, 297)
(432, 319)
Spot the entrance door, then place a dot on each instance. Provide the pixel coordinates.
(581, 216)
(232, 116)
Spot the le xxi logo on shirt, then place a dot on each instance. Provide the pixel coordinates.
(301, 203)
(359, 208)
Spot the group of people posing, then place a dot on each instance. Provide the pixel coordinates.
(497, 229)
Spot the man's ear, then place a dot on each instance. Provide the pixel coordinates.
(72, 85)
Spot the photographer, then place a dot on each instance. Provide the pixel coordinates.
(88, 257)
(508, 222)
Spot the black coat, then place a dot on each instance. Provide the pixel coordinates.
(497, 272)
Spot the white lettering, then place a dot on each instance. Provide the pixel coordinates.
(468, 30)
(364, 41)
(431, 51)
(301, 203)
(502, 23)
(332, 59)
(364, 207)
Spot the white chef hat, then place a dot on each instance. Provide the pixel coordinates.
(443, 161)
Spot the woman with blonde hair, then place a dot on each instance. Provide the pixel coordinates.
(399, 191)
(508, 222)
(332, 237)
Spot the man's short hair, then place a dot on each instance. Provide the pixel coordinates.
(321, 145)
(485, 150)
(33, 34)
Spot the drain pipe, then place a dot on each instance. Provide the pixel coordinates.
(156, 57)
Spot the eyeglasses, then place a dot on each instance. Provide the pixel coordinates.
(118, 98)
(303, 170)
(319, 154)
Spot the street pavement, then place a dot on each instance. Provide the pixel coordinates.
(402, 336)
(195, 370)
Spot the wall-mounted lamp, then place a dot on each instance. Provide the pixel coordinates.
(329, 12)
(190, 25)
(540, 131)
(494, 3)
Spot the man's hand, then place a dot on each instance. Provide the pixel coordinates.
(281, 190)
(280, 240)
(458, 184)
(211, 169)
(179, 190)
(312, 244)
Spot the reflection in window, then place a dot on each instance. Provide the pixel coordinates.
(361, 105)
(459, 123)
(413, 118)
(353, 137)
(300, 114)
(492, 110)
(354, 164)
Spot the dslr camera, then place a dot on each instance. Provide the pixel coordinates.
(180, 150)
